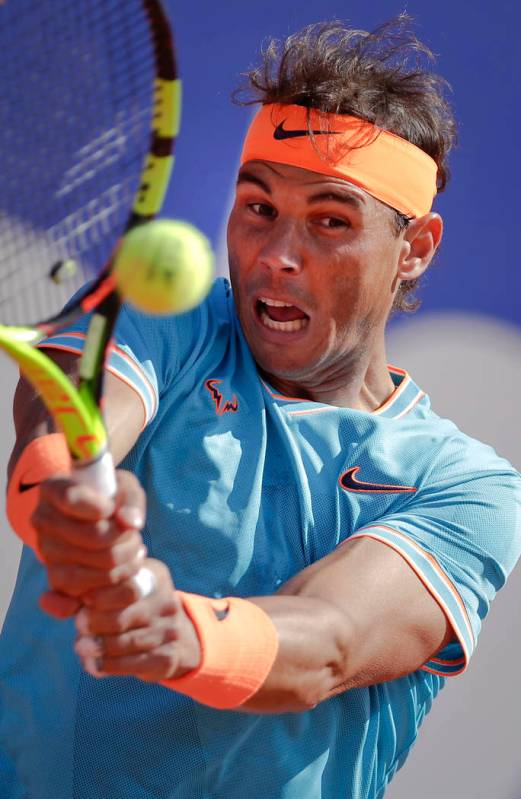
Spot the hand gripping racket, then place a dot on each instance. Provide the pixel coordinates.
(89, 113)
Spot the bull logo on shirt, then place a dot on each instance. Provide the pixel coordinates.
(222, 405)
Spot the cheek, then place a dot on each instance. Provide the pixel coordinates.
(233, 252)
(359, 298)
(239, 245)
(348, 297)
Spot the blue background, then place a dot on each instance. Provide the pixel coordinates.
(478, 52)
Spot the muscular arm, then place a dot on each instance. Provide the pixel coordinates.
(357, 617)
(124, 411)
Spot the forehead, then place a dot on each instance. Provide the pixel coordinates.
(272, 177)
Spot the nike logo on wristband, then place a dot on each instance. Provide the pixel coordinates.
(22, 487)
(280, 133)
(349, 482)
(222, 611)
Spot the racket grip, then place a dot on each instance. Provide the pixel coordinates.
(100, 475)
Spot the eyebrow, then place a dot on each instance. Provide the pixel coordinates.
(336, 195)
(247, 177)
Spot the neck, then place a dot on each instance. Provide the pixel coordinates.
(362, 386)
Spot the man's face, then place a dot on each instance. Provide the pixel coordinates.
(313, 264)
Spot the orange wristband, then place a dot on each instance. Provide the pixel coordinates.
(44, 457)
(239, 644)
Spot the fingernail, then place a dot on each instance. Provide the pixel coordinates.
(88, 647)
(82, 624)
(93, 666)
(131, 516)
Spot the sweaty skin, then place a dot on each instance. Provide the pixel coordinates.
(329, 248)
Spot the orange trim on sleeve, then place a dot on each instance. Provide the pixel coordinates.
(115, 372)
(368, 532)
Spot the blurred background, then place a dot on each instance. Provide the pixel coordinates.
(464, 345)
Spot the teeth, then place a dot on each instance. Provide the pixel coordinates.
(286, 327)
(275, 303)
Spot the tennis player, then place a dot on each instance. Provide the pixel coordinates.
(323, 547)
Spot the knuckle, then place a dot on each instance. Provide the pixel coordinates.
(171, 631)
(167, 660)
(53, 488)
(41, 516)
(171, 605)
(118, 574)
(100, 531)
(122, 622)
(132, 591)
(143, 640)
(60, 576)
(141, 616)
(110, 558)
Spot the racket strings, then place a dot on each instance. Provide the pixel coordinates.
(74, 134)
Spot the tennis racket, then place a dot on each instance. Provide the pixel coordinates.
(89, 115)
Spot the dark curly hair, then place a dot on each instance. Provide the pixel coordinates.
(379, 76)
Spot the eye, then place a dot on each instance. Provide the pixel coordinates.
(262, 209)
(332, 222)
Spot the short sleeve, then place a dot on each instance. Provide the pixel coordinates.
(147, 352)
(461, 534)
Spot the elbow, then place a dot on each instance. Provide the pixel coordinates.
(338, 665)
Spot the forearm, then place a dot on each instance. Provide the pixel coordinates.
(312, 661)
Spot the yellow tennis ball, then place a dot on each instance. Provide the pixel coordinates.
(164, 267)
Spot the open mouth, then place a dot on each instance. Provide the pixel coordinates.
(281, 316)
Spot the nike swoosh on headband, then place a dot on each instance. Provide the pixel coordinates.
(280, 133)
(349, 481)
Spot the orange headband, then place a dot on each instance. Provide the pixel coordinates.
(388, 167)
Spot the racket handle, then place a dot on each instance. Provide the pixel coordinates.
(100, 475)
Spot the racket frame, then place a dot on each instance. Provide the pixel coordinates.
(76, 409)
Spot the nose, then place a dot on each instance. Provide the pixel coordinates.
(281, 250)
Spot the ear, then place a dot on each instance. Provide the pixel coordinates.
(421, 239)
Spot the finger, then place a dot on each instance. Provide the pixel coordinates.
(125, 593)
(130, 508)
(75, 500)
(93, 535)
(114, 597)
(153, 582)
(128, 547)
(52, 523)
(92, 622)
(75, 580)
(58, 605)
(145, 612)
(159, 664)
(133, 642)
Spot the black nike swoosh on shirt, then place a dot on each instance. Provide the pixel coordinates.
(349, 481)
(281, 133)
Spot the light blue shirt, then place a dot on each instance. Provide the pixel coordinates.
(245, 489)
